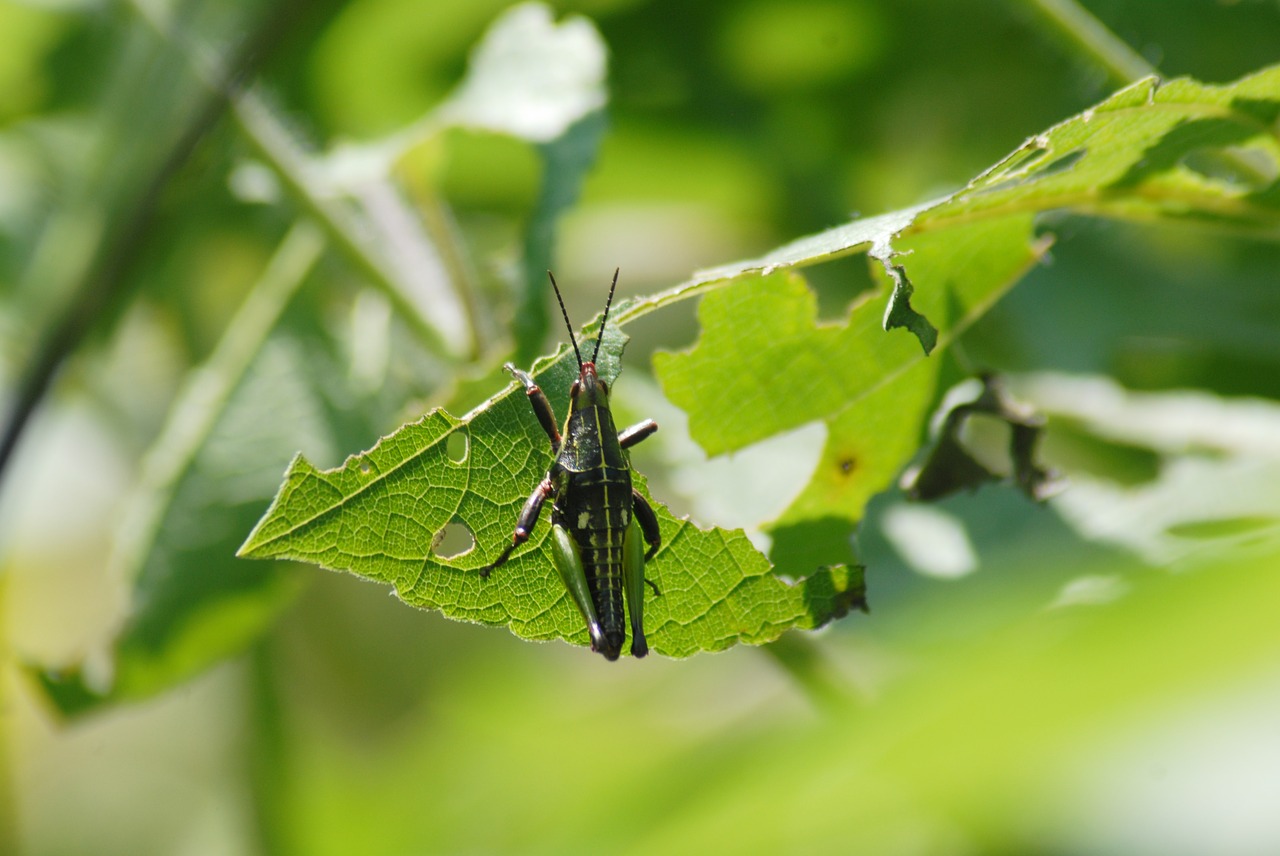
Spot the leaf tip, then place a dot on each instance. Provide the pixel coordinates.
(256, 545)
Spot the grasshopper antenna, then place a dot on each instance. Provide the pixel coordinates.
(565, 313)
(605, 319)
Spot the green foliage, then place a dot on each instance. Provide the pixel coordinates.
(382, 514)
(763, 366)
(199, 282)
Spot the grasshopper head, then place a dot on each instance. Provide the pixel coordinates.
(588, 390)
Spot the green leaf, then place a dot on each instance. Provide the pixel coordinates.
(873, 393)
(764, 365)
(1181, 149)
(379, 515)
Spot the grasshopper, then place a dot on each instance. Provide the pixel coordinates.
(598, 519)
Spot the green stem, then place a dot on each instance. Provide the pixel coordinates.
(268, 756)
(205, 393)
(8, 808)
(272, 142)
(1073, 23)
(806, 664)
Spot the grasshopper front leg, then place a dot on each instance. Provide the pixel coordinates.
(541, 407)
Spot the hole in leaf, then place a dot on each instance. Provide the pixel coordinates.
(1021, 160)
(456, 447)
(1061, 164)
(454, 540)
(366, 467)
(838, 284)
(1028, 169)
(1246, 169)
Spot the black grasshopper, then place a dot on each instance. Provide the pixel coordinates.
(598, 520)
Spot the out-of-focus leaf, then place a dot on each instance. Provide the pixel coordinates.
(952, 467)
(531, 77)
(192, 603)
(543, 82)
(566, 160)
(380, 514)
(1208, 479)
(963, 741)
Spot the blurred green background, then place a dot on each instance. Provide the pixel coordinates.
(1093, 676)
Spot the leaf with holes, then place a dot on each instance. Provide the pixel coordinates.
(763, 365)
(761, 342)
(381, 513)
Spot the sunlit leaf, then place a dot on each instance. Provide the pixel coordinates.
(380, 514)
(763, 365)
(1179, 149)
(531, 77)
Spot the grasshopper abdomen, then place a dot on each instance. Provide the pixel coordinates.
(595, 506)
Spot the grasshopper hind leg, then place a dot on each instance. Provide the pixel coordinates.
(569, 565)
(634, 581)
